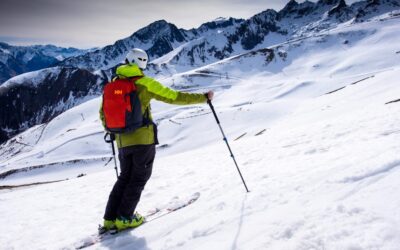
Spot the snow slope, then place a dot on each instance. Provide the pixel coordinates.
(319, 154)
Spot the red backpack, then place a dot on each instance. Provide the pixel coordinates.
(121, 106)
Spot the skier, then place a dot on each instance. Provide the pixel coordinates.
(137, 149)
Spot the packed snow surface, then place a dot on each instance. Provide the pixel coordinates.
(315, 136)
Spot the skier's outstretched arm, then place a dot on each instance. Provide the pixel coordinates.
(168, 95)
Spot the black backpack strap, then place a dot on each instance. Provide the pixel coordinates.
(135, 78)
(146, 118)
(147, 122)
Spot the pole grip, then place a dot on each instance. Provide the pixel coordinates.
(111, 140)
(109, 137)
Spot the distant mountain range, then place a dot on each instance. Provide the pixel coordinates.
(15, 60)
(37, 97)
(176, 50)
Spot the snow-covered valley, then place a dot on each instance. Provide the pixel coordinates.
(314, 129)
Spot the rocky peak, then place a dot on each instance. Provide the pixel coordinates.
(289, 8)
(219, 23)
(328, 2)
(341, 4)
(296, 10)
(159, 29)
(253, 31)
(339, 8)
(373, 2)
(266, 16)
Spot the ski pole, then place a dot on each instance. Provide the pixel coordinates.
(111, 140)
(226, 141)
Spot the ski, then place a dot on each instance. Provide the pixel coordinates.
(152, 215)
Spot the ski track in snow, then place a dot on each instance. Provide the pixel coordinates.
(323, 174)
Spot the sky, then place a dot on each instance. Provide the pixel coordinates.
(97, 23)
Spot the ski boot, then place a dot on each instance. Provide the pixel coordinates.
(122, 223)
(108, 225)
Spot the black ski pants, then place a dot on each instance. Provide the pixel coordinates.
(136, 166)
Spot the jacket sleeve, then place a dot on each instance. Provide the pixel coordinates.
(164, 94)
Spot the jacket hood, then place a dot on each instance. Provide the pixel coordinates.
(129, 70)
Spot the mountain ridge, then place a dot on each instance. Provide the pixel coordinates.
(15, 60)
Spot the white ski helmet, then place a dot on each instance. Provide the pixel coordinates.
(138, 56)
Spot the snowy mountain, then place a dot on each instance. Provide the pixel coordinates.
(312, 121)
(222, 38)
(157, 39)
(37, 97)
(265, 29)
(15, 60)
(177, 50)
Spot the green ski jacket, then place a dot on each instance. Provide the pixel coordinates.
(149, 89)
